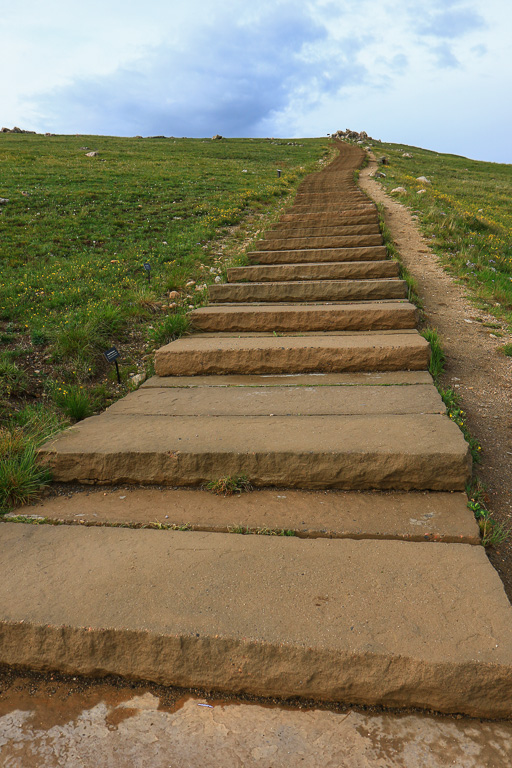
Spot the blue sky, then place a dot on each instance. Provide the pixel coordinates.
(433, 74)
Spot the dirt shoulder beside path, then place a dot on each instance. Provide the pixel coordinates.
(474, 367)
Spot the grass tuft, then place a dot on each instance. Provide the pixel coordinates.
(437, 356)
(227, 486)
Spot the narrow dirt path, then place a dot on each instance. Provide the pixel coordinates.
(474, 367)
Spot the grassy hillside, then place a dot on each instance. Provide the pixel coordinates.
(466, 213)
(74, 237)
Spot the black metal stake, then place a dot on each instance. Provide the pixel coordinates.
(278, 173)
(117, 371)
(147, 267)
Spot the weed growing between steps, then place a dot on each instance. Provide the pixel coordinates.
(75, 236)
(227, 486)
(464, 211)
(493, 533)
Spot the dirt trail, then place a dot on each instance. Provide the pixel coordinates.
(474, 367)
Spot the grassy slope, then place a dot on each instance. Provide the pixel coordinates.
(466, 214)
(74, 237)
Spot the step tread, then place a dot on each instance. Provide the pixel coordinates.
(384, 378)
(436, 517)
(310, 290)
(327, 270)
(281, 401)
(372, 622)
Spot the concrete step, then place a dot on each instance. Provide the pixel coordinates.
(361, 452)
(290, 318)
(338, 241)
(286, 400)
(333, 216)
(352, 203)
(293, 230)
(357, 229)
(367, 253)
(313, 290)
(390, 623)
(413, 516)
(334, 270)
(363, 379)
(376, 351)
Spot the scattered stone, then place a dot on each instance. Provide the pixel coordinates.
(407, 155)
(423, 180)
(421, 191)
(15, 130)
(137, 137)
(3, 200)
(217, 137)
(174, 294)
(379, 175)
(49, 134)
(91, 154)
(359, 138)
(218, 279)
(383, 160)
(84, 148)
(190, 283)
(138, 379)
(399, 190)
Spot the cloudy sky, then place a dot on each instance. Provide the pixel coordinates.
(434, 74)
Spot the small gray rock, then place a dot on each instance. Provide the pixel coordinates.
(91, 154)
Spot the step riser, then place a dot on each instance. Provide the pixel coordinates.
(333, 271)
(372, 253)
(299, 321)
(287, 230)
(340, 241)
(341, 214)
(286, 360)
(357, 290)
(356, 471)
(361, 229)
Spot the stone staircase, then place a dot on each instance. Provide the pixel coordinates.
(305, 373)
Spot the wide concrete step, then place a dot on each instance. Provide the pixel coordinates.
(356, 229)
(378, 351)
(333, 216)
(390, 623)
(285, 400)
(355, 270)
(408, 516)
(353, 203)
(313, 290)
(286, 318)
(374, 252)
(361, 452)
(293, 230)
(337, 241)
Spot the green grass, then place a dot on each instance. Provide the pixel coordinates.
(74, 239)
(465, 214)
(227, 486)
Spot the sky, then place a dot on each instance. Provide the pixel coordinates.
(434, 74)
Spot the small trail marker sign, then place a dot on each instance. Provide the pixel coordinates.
(111, 356)
(147, 267)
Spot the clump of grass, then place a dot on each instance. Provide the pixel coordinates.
(393, 253)
(22, 475)
(21, 478)
(73, 400)
(437, 356)
(492, 532)
(506, 349)
(171, 328)
(227, 486)
(456, 413)
(13, 380)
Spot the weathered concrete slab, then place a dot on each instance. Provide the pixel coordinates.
(280, 401)
(339, 241)
(358, 229)
(378, 252)
(192, 356)
(337, 270)
(405, 452)
(436, 517)
(299, 230)
(305, 317)
(332, 217)
(383, 378)
(312, 290)
(342, 620)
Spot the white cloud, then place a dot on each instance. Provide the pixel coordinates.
(422, 74)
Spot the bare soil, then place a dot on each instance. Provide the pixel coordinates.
(474, 366)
